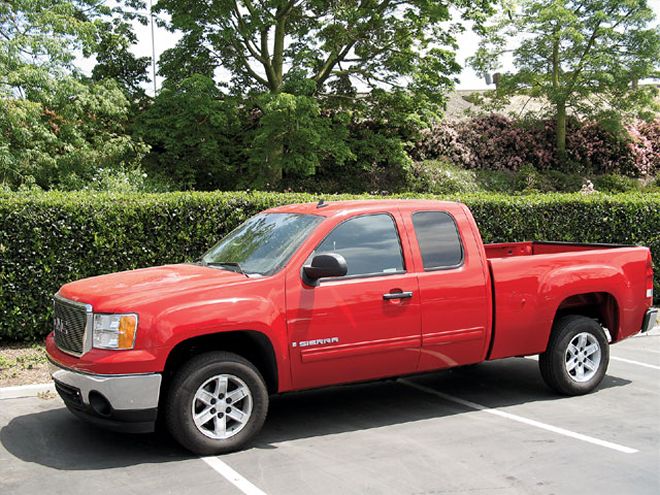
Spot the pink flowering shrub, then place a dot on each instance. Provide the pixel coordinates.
(496, 142)
(599, 150)
(491, 142)
(644, 146)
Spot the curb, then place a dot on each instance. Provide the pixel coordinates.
(21, 391)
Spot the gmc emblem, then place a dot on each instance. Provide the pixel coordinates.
(59, 326)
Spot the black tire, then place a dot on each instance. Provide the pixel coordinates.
(188, 379)
(553, 362)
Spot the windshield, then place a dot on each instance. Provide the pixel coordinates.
(263, 244)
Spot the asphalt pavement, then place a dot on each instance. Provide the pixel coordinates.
(492, 428)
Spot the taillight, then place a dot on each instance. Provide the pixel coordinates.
(649, 277)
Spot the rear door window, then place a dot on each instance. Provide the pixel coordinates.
(438, 238)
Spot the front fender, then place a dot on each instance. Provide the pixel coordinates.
(225, 314)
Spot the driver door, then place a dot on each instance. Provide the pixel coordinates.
(362, 326)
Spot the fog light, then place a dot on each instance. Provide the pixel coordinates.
(99, 404)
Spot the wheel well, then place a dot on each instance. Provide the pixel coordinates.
(253, 346)
(600, 306)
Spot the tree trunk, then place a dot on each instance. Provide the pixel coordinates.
(560, 118)
(560, 132)
(273, 172)
(273, 169)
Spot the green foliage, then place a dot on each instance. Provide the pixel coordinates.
(203, 139)
(616, 184)
(54, 137)
(56, 126)
(195, 135)
(374, 59)
(48, 239)
(580, 56)
(40, 36)
(40, 39)
(438, 177)
(117, 180)
(529, 179)
(190, 57)
(115, 61)
(379, 162)
(652, 186)
(332, 44)
(293, 137)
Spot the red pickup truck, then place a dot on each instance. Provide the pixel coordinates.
(310, 295)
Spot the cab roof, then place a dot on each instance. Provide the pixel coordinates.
(332, 208)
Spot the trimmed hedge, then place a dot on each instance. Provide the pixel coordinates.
(48, 239)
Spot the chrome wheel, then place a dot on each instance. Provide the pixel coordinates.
(222, 406)
(582, 357)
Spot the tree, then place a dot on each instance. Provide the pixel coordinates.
(297, 123)
(114, 37)
(582, 56)
(334, 51)
(194, 134)
(114, 59)
(57, 128)
(40, 37)
(189, 58)
(64, 133)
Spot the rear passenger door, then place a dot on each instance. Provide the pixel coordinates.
(454, 298)
(361, 326)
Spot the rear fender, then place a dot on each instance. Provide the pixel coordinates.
(566, 282)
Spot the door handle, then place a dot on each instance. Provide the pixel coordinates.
(397, 295)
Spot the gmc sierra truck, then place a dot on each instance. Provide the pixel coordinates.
(311, 295)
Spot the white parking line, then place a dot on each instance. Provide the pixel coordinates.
(521, 419)
(630, 361)
(615, 358)
(232, 476)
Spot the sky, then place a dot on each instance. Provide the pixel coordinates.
(468, 42)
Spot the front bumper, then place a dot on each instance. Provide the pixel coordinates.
(650, 319)
(126, 403)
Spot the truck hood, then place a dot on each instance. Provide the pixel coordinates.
(127, 291)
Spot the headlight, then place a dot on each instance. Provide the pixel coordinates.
(114, 331)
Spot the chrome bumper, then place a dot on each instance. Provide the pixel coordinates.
(650, 319)
(123, 392)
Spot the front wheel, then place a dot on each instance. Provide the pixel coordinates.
(217, 402)
(577, 356)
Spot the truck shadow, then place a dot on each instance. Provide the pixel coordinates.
(56, 439)
(333, 410)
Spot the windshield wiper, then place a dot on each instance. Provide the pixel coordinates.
(230, 265)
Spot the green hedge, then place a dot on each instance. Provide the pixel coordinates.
(48, 239)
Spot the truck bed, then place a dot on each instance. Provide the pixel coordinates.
(529, 280)
(534, 248)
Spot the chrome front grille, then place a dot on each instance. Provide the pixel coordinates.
(71, 321)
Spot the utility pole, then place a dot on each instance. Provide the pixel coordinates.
(153, 47)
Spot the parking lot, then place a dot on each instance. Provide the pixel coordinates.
(492, 428)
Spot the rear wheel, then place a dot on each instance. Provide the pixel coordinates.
(577, 356)
(217, 403)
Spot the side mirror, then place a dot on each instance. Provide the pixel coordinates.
(325, 265)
